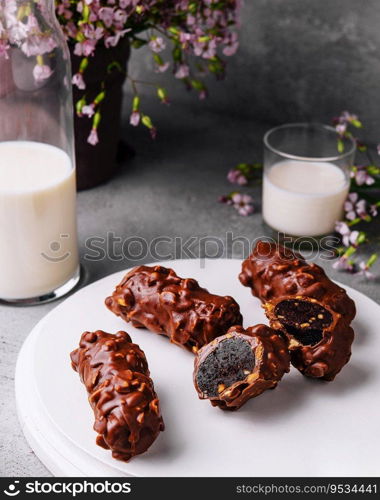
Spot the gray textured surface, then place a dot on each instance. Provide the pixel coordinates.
(299, 60)
(169, 189)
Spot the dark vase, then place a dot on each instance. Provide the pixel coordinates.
(97, 164)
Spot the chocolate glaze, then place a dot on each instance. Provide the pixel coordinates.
(275, 274)
(271, 360)
(157, 299)
(121, 393)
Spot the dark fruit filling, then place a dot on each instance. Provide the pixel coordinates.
(304, 320)
(232, 360)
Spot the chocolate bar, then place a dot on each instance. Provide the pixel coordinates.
(121, 393)
(300, 300)
(240, 365)
(159, 300)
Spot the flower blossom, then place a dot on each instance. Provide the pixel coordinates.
(42, 72)
(78, 81)
(344, 264)
(364, 270)
(235, 176)
(182, 71)
(243, 203)
(362, 177)
(157, 44)
(349, 238)
(88, 110)
(93, 138)
(135, 118)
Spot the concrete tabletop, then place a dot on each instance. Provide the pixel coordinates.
(169, 189)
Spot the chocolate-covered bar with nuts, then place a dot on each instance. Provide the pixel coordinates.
(240, 365)
(312, 311)
(159, 300)
(120, 391)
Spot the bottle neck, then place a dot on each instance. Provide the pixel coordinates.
(47, 7)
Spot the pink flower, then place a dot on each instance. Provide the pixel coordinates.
(157, 44)
(362, 177)
(106, 15)
(348, 117)
(85, 48)
(78, 81)
(182, 71)
(93, 138)
(373, 210)
(161, 68)
(92, 33)
(125, 3)
(364, 271)
(135, 118)
(355, 207)
(243, 203)
(120, 17)
(341, 128)
(236, 177)
(210, 52)
(343, 264)
(38, 45)
(348, 238)
(112, 41)
(41, 72)
(88, 110)
(232, 45)
(4, 49)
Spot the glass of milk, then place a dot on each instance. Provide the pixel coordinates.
(38, 233)
(306, 180)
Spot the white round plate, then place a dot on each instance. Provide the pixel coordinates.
(303, 428)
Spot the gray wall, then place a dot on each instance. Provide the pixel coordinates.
(298, 60)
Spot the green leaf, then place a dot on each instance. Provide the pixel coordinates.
(100, 97)
(136, 103)
(96, 120)
(146, 120)
(340, 146)
(158, 59)
(356, 123)
(161, 93)
(79, 105)
(197, 85)
(83, 65)
(370, 262)
(177, 54)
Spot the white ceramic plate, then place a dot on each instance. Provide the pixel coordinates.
(303, 428)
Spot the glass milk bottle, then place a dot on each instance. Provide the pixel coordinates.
(306, 179)
(38, 233)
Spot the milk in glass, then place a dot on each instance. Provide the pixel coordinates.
(38, 234)
(304, 198)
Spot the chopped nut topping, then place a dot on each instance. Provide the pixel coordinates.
(320, 316)
(293, 343)
(121, 302)
(251, 378)
(140, 418)
(221, 388)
